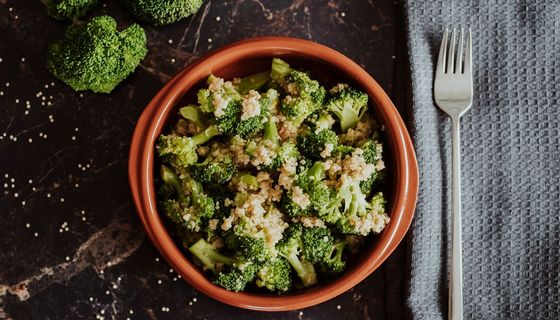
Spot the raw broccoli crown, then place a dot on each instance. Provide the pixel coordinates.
(349, 105)
(95, 56)
(69, 9)
(161, 12)
(275, 275)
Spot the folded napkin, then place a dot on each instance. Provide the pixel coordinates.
(510, 161)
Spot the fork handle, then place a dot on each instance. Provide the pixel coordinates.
(456, 278)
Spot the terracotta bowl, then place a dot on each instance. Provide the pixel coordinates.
(240, 59)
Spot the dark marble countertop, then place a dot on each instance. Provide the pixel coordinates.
(71, 245)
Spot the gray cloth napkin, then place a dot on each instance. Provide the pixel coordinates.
(511, 161)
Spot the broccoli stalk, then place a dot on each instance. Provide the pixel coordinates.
(253, 82)
(349, 105)
(290, 248)
(95, 56)
(280, 69)
(158, 12)
(193, 114)
(169, 177)
(209, 256)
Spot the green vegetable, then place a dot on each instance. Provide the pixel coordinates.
(349, 105)
(161, 12)
(266, 187)
(69, 9)
(95, 56)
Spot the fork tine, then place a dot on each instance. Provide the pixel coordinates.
(468, 53)
(459, 59)
(451, 53)
(442, 53)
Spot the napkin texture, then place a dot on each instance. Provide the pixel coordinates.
(510, 160)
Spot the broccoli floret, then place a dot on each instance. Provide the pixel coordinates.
(332, 263)
(181, 151)
(371, 155)
(290, 248)
(209, 256)
(285, 151)
(237, 277)
(193, 207)
(213, 170)
(311, 182)
(223, 101)
(275, 275)
(317, 242)
(305, 96)
(95, 56)
(349, 105)
(161, 12)
(360, 216)
(252, 125)
(253, 82)
(69, 9)
(315, 141)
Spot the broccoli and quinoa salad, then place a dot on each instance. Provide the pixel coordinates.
(272, 181)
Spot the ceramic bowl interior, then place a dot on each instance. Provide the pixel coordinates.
(248, 57)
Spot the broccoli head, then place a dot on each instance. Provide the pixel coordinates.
(192, 208)
(360, 216)
(213, 170)
(317, 243)
(161, 12)
(69, 9)
(251, 125)
(349, 105)
(372, 154)
(237, 276)
(290, 247)
(223, 101)
(315, 141)
(95, 56)
(332, 263)
(180, 151)
(275, 275)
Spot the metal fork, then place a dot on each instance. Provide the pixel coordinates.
(453, 93)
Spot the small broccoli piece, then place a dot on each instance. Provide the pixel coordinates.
(332, 263)
(237, 277)
(223, 101)
(209, 256)
(69, 9)
(161, 12)
(252, 125)
(360, 216)
(311, 182)
(290, 248)
(349, 105)
(341, 151)
(193, 207)
(181, 151)
(315, 141)
(372, 154)
(305, 96)
(95, 56)
(275, 275)
(213, 170)
(193, 114)
(253, 82)
(170, 178)
(284, 152)
(280, 69)
(317, 243)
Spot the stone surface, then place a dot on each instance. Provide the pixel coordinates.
(71, 246)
